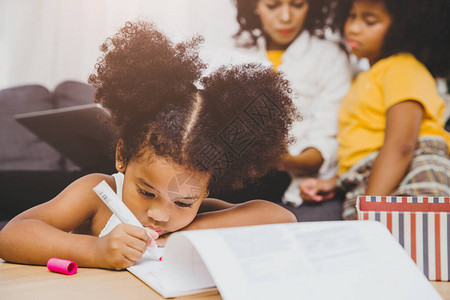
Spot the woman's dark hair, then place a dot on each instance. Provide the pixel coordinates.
(235, 128)
(250, 23)
(420, 27)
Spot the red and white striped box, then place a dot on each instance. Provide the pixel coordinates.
(420, 224)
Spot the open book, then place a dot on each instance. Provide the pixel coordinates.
(317, 260)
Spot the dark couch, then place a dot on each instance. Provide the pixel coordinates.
(31, 171)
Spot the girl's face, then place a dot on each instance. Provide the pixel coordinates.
(282, 20)
(366, 27)
(162, 195)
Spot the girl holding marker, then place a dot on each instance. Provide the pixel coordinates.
(288, 35)
(391, 136)
(175, 142)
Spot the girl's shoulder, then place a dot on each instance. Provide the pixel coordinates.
(401, 62)
(80, 197)
(88, 182)
(82, 188)
(77, 208)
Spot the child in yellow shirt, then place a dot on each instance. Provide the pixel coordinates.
(391, 135)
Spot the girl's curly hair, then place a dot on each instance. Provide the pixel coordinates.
(250, 23)
(235, 128)
(420, 27)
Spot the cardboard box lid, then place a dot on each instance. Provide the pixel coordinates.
(410, 204)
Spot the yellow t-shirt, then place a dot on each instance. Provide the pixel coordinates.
(274, 57)
(362, 115)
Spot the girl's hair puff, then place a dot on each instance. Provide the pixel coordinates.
(247, 111)
(139, 59)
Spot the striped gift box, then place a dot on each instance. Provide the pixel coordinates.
(420, 224)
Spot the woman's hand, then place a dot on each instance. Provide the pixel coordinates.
(316, 190)
(122, 247)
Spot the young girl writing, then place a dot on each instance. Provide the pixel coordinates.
(175, 142)
(288, 34)
(391, 136)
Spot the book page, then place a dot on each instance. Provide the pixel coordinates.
(181, 271)
(326, 260)
(149, 271)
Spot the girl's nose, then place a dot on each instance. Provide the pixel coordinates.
(285, 13)
(353, 27)
(159, 211)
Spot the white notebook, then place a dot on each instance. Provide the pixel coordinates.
(317, 260)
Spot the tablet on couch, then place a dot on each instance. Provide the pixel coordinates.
(81, 133)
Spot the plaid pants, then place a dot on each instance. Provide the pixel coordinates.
(427, 175)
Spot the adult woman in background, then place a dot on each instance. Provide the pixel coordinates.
(289, 34)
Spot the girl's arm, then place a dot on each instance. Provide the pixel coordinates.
(215, 213)
(212, 204)
(306, 163)
(254, 212)
(43, 231)
(403, 122)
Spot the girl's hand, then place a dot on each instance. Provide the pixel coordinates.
(316, 190)
(122, 247)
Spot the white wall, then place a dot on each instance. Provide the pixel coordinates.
(48, 41)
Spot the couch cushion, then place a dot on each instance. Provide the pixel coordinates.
(19, 148)
(330, 210)
(72, 93)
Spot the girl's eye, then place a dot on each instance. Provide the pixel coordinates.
(271, 5)
(182, 204)
(146, 194)
(298, 4)
(370, 22)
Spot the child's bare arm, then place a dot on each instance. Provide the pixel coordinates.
(248, 213)
(42, 232)
(212, 204)
(306, 163)
(403, 122)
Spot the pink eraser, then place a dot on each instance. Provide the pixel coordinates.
(63, 266)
